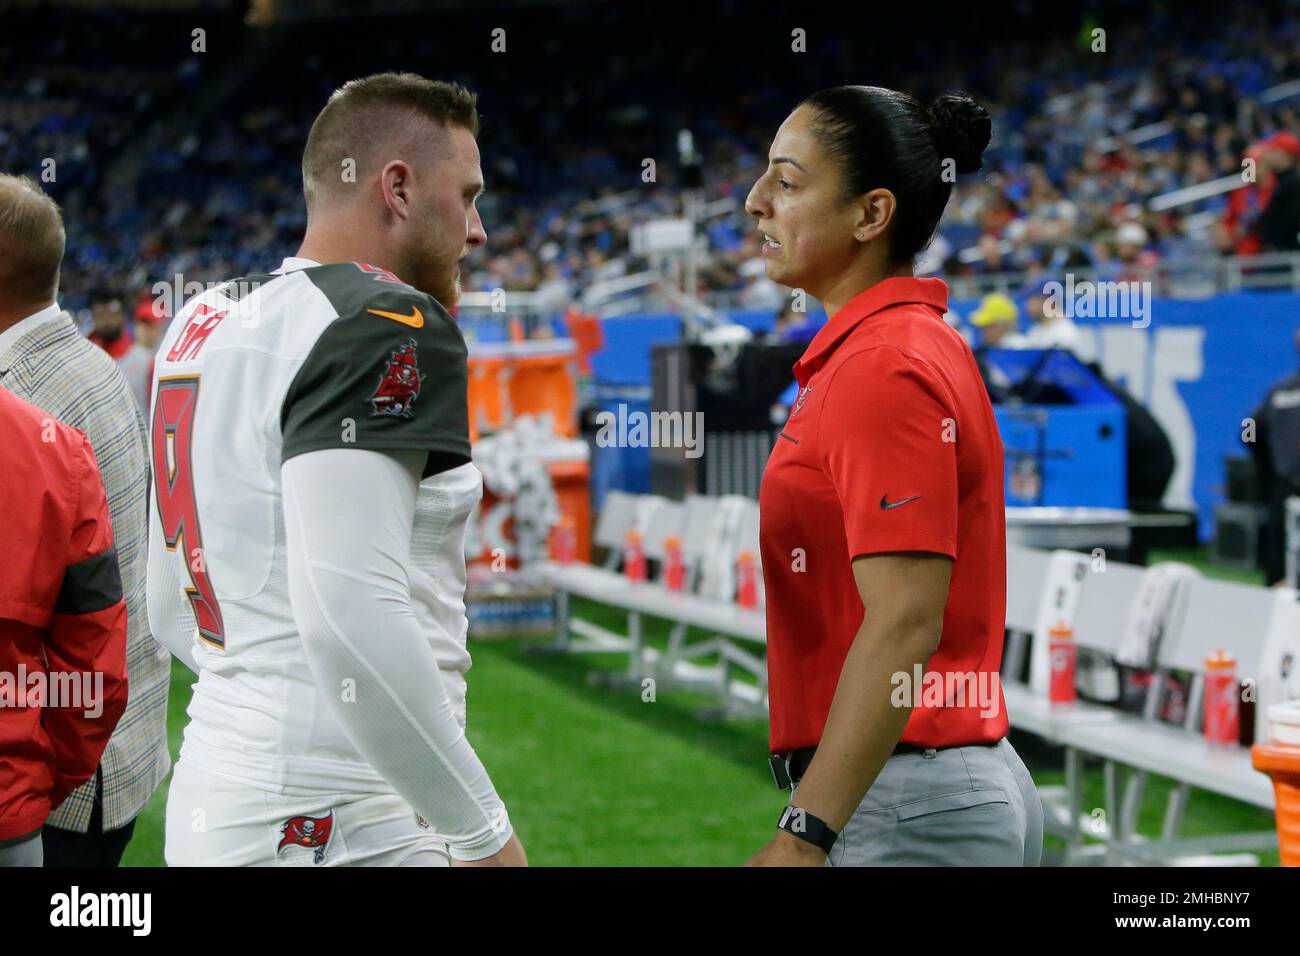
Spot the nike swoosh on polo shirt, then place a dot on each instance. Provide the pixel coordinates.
(886, 504)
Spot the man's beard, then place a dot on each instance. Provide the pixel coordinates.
(448, 291)
(438, 279)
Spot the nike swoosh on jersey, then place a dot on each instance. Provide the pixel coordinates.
(886, 504)
(415, 320)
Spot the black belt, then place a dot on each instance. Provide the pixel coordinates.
(788, 768)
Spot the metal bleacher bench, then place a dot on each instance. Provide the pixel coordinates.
(1042, 587)
(713, 531)
(1204, 616)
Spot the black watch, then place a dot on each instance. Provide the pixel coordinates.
(798, 822)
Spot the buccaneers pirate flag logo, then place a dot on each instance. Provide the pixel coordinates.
(310, 832)
(802, 397)
(399, 385)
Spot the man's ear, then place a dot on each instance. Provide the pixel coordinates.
(395, 184)
(875, 212)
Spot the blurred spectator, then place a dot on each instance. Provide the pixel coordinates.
(1276, 450)
(760, 292)
(991, 260)
(137, 362)
(1052, 324)
(998, 320)
(556, 291)
(1279, 223)
(1132, 262)
(108, 323)
(1246, 206)
(792, 326)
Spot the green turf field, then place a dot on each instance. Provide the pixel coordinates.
(594, 776)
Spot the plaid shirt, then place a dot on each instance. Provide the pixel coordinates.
(56, 369)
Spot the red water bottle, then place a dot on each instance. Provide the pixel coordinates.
(565, 542)
(634, 557)
(1061, 653)
(746, 580)
(1221, 710)
(674, 566)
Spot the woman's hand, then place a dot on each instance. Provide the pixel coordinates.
(787, 850)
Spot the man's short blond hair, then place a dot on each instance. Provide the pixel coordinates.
(31, 243)
(366, 120)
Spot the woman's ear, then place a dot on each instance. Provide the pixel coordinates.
(876, 213)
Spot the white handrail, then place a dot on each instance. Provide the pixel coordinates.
(1176, 197)
(719, 207)
(1283, 91)
(604, 204)
(511, 300)
(1190, 194)
(598, 292)
(1108, 144)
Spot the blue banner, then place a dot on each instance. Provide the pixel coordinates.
(1201, 366)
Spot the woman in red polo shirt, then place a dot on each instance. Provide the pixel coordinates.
(883, 530)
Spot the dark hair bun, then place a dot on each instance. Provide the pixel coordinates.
(962, 130)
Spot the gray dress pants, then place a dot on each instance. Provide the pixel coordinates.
(962, 806)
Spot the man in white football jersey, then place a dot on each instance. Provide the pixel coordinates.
(312, 481)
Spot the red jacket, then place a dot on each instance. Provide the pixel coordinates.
(62, 616)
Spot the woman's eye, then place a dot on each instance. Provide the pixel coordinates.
(784, 184)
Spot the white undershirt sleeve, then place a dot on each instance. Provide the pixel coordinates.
(171, 619)
(348, 515)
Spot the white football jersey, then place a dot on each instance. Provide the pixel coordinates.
(248, 375)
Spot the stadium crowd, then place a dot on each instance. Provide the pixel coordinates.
(212, 192)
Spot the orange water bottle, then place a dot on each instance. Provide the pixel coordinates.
(565, 542)
(634, 556)
(1221, 710)
(747, 580)
(674, 566)
(1061, 653)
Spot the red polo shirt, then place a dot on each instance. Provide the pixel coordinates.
(891, 446)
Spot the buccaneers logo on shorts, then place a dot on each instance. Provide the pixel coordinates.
(399, 385)
(310, 832)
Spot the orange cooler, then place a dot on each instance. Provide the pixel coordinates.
(1280, 759)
